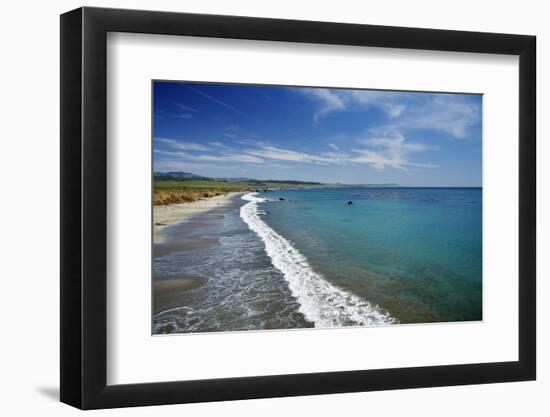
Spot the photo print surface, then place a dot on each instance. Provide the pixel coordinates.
(282, 207)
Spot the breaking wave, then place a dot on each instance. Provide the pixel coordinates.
(320, 302)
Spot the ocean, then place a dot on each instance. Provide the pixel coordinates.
(306, 258)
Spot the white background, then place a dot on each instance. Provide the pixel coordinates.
(133, 60)
(29, 164)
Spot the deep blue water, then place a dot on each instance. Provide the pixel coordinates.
(416, 252)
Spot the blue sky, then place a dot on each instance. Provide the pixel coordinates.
(318, 134)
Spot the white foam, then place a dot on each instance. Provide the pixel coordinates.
(320, 302)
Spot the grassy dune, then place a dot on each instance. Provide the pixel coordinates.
(172, 191)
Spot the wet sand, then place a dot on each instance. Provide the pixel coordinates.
(167, 291)
(185, 244)
(186, 227)
(164, 216)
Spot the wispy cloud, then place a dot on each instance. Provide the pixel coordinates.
(331, 102)
(186, 146)
(185, 108)
(379, 149)
(183, 116)
(219, 145)
(231, 157)
(390, 102)
(277, 153)
(228, 157)
(390, 149)
(215, 100)
(164, 165)
(451, 113)
(187, 112)
(231, 131)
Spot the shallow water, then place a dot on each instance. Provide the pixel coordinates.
(417, 252)
(243, 290)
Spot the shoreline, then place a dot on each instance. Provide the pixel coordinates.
(167, 215)
(321, 302)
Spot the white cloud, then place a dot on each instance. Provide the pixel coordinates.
(395, 110)
(388, 101)
(380, 149)
(390, 149)
(450, 113)
(179, 165)
(177, 154)
(383, 148)
(229, 157)
(186, 146)
(273, 152)
(340, 100)
(331, 102)
(218, 144)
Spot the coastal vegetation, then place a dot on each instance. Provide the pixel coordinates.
(182, 187)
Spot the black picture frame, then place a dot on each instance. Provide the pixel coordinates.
(84, 207)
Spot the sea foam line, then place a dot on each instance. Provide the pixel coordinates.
(320, 302)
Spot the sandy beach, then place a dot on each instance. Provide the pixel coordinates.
(195, 228)
(175, 213)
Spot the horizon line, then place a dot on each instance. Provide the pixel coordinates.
(392, 184)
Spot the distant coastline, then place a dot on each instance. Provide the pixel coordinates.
(184, 187)
(177, 186)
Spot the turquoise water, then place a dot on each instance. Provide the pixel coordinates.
(414, 252)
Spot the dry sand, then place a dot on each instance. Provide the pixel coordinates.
(175, 213)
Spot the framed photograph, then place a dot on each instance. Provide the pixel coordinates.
(257, 208)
